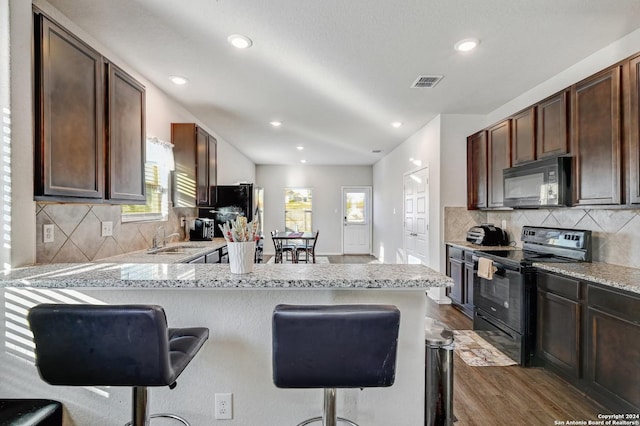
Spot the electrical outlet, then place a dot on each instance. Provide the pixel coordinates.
(107, 229)
(504, 224)
(47, 233)
(224, 406)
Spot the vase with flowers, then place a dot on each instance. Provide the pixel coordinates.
(241, 237)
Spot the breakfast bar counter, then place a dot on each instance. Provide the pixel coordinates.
(236, 359)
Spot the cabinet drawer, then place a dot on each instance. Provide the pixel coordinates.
(562, 286)
(456, 253)
(624, 306)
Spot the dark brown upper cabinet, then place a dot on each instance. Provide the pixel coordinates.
(195, 165)
(69, 103)
(126, 136)
(523, 147)
(499, 158)
(552, 116)
(596, 125)
(477, 171)
(633, 101)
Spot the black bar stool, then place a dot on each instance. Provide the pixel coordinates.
(334, 346)
(113, 345)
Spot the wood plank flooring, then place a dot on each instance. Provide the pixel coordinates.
(510, 395)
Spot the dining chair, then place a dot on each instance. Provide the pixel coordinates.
(308, 250)
(281, 248)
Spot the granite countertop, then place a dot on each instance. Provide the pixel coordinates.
(193, 250)
(622, 277)
(470, 246)
(264, 276)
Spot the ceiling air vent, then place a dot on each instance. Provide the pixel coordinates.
(426, 81)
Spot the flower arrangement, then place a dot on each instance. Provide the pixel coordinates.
(240, 230)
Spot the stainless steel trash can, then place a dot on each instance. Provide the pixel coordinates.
(438, 372)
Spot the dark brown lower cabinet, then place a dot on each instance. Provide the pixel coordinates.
(559, 336)
(613, 348)
(590, 335)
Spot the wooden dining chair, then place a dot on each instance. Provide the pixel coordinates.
(308, 250)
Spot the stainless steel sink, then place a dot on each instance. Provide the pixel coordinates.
(175, 250)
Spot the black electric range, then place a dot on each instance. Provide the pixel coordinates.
(504, 301)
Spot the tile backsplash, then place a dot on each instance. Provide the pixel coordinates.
(615, 233)
(78, 232)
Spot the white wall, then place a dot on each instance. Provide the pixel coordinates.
(161, 111)
(326, 183)
(440, 145)
(388, 200)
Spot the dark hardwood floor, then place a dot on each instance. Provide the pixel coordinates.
(510, 395)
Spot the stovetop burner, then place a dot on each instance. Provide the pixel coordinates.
(525, 257)
(546, 245)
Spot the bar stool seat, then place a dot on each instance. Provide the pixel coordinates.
(112, 345)
(334, 346)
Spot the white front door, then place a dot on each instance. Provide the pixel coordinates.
(416, 216)
(356, 213)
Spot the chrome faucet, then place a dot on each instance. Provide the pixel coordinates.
(168, 237)
(155, 243)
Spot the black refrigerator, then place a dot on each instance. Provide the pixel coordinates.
(230, 201)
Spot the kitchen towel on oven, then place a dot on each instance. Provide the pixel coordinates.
(486, 268)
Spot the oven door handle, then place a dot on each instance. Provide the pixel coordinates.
(502, 329)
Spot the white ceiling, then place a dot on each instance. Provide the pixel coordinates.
(338, 72)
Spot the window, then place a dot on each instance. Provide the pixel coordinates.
(297, 209)
(157, 168)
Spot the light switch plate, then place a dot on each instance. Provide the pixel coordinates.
(107, 229)
(47, 233)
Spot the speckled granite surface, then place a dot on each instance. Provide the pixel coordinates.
(467, 245)
(621, 277)
(193, 249)
(138, 275)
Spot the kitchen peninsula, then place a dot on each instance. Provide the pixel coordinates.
(237, 358)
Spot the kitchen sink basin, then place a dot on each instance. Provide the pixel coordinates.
(175, 250)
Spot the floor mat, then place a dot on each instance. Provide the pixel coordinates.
(477, 352)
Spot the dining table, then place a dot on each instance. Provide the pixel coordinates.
(286, 237)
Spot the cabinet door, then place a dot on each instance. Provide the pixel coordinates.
(498, 159)
(596, 138)
(552, 136)
(613, 357)
(183, 137)
(213, 169)
(524, 137)
(456, 272)
(202, 167)
(634, 131)
(477, 171)
(126, 137)
(558, 330)
(69, 108)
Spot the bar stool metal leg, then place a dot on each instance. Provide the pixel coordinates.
(140, 409)
(328, 417)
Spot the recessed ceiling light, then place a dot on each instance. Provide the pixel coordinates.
(396, 124)
(179, 80)
(466, 45)
(303, 161)
(276, 123)
(239, 41)
(299, 148)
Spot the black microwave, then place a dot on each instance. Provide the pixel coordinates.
(541, 183)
